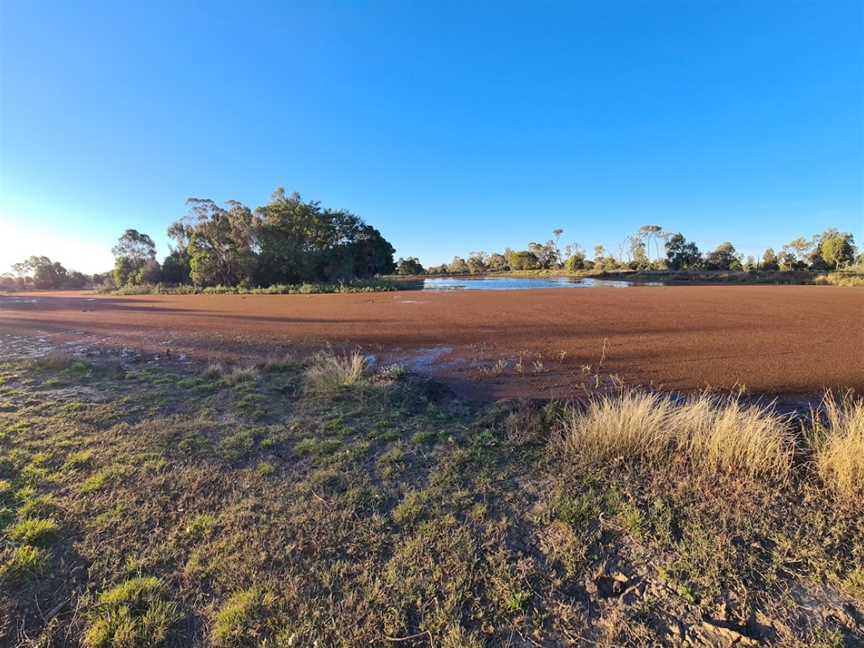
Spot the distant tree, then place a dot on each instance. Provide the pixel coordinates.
(652, 233)
(524, 260)
(149, 273)
(76, 280)
(132, 252)
(556, 233)
(575, 262)
(638, 254)
(546, 254)
(409, 266)
(497, 262)
(44, 272)
(135, 245)
(175, 267)
(795, 255)
(599, 252)
(681, 254)
(724, 257)
(458, 266)
(770, 261)
(302, 241)
(836, 249)
(477, 263)
(222, 242)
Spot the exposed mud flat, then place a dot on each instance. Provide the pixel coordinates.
(774, 340)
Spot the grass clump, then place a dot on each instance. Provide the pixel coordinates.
(330, 372)
(633, 425)
(714, 435)
(839, 447)
(132, 614)
(241, 620)
(726, 436)
(95, 482)
(24, 561)
(34, 530)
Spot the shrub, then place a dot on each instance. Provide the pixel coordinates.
(132, 614)
(839, 446)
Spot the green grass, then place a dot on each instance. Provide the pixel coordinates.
(271, 509)
(34, 530)
(135, 613)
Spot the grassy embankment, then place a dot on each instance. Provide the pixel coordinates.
(290, 503)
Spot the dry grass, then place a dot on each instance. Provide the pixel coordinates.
(722, 435)
(846, 279)
(839, 446)
(330, 371)
(634, 425)
(713, 434)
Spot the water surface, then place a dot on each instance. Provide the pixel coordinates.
(524, 283)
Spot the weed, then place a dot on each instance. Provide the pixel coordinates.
(265, 469)
(24, 561)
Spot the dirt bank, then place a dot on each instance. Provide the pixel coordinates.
(771, 339)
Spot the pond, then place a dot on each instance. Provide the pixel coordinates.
(525, 283)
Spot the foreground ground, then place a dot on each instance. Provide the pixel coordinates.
(541, 343)
(146, 502)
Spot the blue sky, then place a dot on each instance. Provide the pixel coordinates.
(451, 127)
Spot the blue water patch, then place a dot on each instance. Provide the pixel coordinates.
(522, 283)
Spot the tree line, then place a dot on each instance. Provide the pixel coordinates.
(652, 248)
(286, 241)
(292, 241)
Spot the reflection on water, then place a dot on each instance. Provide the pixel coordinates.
(524, 283)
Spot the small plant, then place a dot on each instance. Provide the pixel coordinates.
(238, 445)
(79, 459)
(133, 614)
(330, 372)
(96, 481)
(265, 469)
(201, 526)
(516, 601)
(34, 530)
(25, 561)
(241, 620)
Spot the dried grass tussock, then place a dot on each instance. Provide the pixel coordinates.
(839, 446)
(717, 435)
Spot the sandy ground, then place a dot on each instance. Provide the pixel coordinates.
(791, 340)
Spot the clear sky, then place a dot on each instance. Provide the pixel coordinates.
(451, 127)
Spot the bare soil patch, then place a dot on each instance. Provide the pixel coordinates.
(789, 340)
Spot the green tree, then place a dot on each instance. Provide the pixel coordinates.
(682, 254)
(409, 266)
(724, 257)
(477, 263)
(524, 260)
(836, 249)
(770, 261)
(458, 266)
(221, 243)
(45, 273)
(133, 250)
(498, 262)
